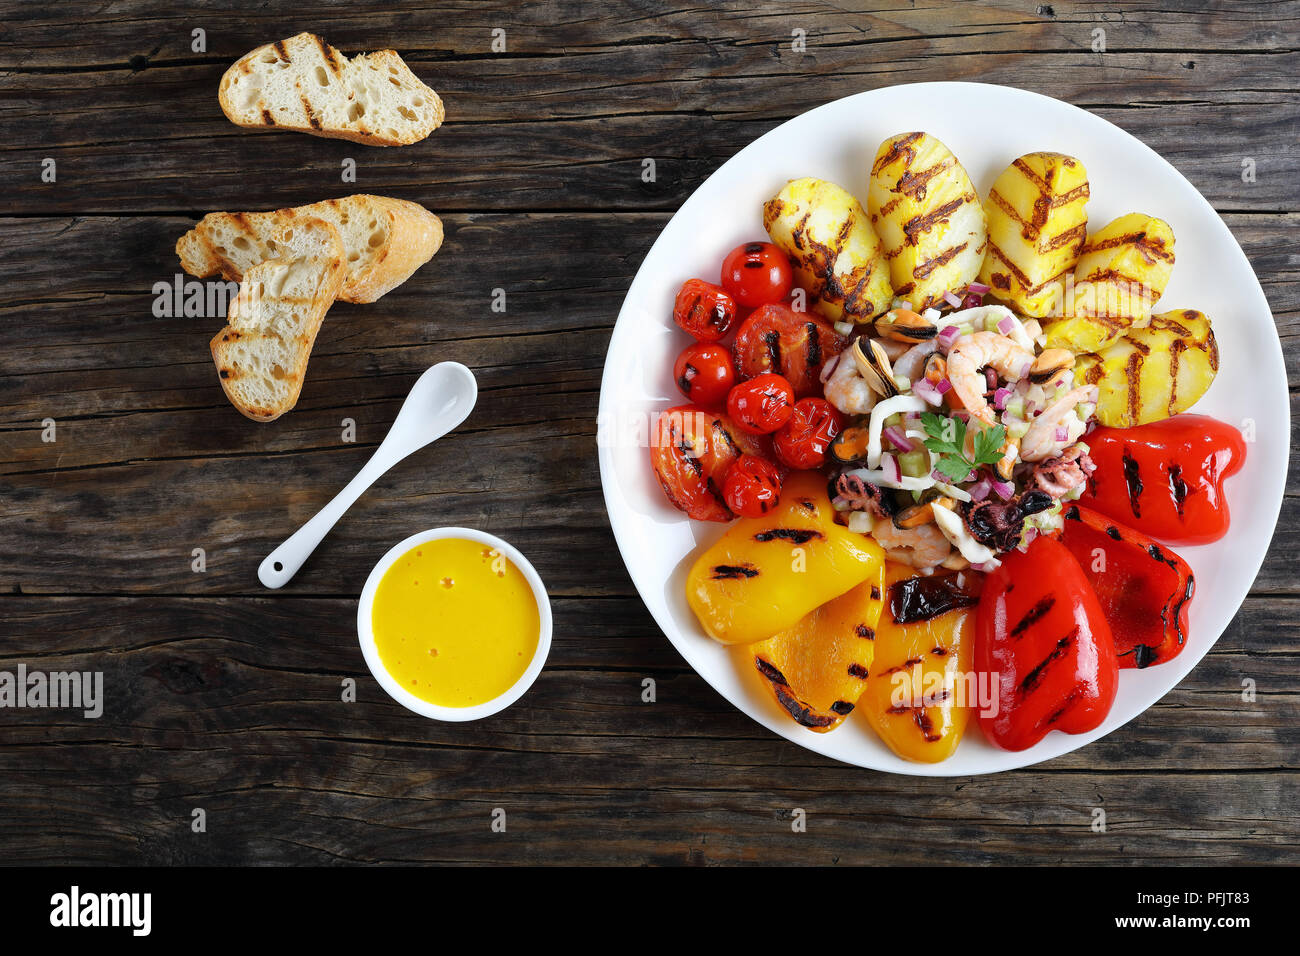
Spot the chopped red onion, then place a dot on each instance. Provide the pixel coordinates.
(924, 390)
(943, 386)
(1000, 399)
(947, 335)
(978, 288)
(1004, 490)
(889, 465)
(1030, 534)
(900, 440)
(952, 299)
(1006, 325)
(829, 368)
(1061, 433)
(1024, 369)
(980, 490)
(972, 301)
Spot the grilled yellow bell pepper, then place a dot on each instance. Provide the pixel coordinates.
(818, 669)
(766, 573)
(920, 693)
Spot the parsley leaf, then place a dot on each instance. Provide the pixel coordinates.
(948, 441)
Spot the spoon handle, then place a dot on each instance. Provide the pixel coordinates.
(279, 567)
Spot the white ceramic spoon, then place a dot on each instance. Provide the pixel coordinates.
(440, 400)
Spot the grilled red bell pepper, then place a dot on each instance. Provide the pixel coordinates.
(1144, 588)
(1041, 635)
(1165, 479)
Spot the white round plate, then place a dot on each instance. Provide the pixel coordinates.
(986, 127)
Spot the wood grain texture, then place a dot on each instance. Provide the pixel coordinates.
(227, 697)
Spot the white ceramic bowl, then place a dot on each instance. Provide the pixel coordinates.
(986, 127)
(403, 696)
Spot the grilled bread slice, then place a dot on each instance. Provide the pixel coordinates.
(385, 241)
(929, 217)
(1037, 228)
(1124, 268)
(261, 354)
(304, 85)
(838, 258)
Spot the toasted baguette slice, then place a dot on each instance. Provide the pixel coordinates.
(384, 240)
(305, 85)
(262, 353)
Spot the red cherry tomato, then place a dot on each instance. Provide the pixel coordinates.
(757, 273)
(803, 440)
(775, 338)
(704, 374)
(691, 450)
(761, 405)
(752, 487)
(703, 310)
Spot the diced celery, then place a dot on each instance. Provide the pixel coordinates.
(915, 464)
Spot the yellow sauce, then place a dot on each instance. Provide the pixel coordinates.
(455, 622)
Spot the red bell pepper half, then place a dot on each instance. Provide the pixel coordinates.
(1041, 635)
(1165, 479)
(1144, 588)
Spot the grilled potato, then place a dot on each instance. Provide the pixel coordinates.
(1037, 228)
(837, 256)
(1153, 372)
(817, 669)
(929, 217)
(1124, 268)
(1091, 334)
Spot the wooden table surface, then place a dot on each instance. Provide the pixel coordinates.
(225, 697)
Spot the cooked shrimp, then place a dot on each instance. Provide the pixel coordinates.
(911, 364)
(921, 547)
(1040, 441)
(979, 350)
(847, 390)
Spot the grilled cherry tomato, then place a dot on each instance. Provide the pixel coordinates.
(757, 273)
(691, 449)
(802, 441)
(752, 487)
(703, 310)
(775, 338)
(704, 374)
(761, 405)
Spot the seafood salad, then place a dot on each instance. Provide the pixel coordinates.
(965, 436)
(923, 419)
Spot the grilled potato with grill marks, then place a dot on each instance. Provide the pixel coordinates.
(1152, 372)
(1037, 229)
(1124, 269)
(929, 217)
(837, 256)
(1086, 334)
(818, 669)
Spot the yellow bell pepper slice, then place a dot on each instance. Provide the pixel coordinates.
(818, 669)
(920, 694)
(766, 573)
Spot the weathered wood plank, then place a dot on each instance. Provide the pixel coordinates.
(588, 127)
(218, 703)
(146, 32)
